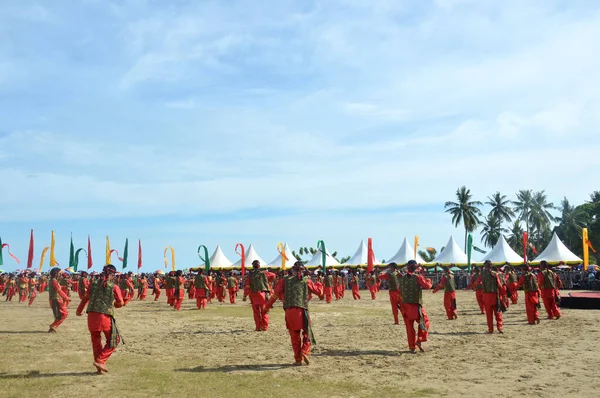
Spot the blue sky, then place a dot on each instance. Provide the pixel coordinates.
(215, 122)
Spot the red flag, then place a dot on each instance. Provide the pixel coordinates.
(30, 256)
(243, 255)
(370, 255)
(89, 253)
(589, 244)
(139, 254)
(533, 248)
(524, 247)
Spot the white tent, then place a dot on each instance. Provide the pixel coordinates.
(251, 255)
(317, 262)
(452, 254)
(219, 260)
(405, 253)
(502, 253)
(276, 263)
(361, 256)
(556, 252)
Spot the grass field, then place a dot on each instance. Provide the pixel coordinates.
(359, 353)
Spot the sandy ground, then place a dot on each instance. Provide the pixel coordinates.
(359, 352)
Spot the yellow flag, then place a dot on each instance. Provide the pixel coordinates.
(284, 258)
(586, 249)
(107, 250)
(416, 246)
(172, 257)
(53, 261)
(43, 258)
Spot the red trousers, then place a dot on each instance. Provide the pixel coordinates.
(328, 290)
(97, 325)
(170, 292)
(156, 294)
(200, 298)
(479, 297)
(491, 311)
(294, 321)
(342, 290)
(192, 292)
(531, 302)
(550, 304)
(261, 318)
(178, 298)
(373, 290)
(22, 295)
(450, 304)
(395, 301)
(355, 292)
(514, 292)
(32, 297)
(410, 313)
(59, 308)
(232, 297)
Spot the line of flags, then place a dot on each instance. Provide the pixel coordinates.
(73, 254)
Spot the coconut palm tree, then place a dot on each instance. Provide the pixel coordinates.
(571, 221)
(500, 207)
(428, 255)
(515, 237)
(464, 210)
(523, 206)
(540, 218)
(491, 231)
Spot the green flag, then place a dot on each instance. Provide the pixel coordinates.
(469, 249)
(321, 246)
(206, 259)
(125, 253)
(72, 262)
(75, 263)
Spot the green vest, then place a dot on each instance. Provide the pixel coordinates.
(200, 282)
(410, 290)
(169, 282)
(356, 280)
(177, 283)
(123, 285)
(512, 277)
(489, 281)
(549, 279)
(53, 294)
(328, 280)
(450, 286)
(530, 284)
(231, 282)
(102, 298)
(296, 292)
(258, 281)
(81, 286)
(393, 282)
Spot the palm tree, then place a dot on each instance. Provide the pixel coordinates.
(540, 218)
(500, 207)
(523, 206)
(465, 211)
(491, 231)
(571, 221)
(428, 255)
(515, 239)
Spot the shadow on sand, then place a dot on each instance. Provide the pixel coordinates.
(352, 353)
(23, 332)
(35, 374)
(236, 368)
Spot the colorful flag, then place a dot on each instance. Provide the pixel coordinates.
(30, 254)
(125, 253)
(53, 262)
(139, 254)
(89, 253)
(242, 255)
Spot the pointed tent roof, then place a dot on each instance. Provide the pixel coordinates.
(556, 251)
(251, 255)
(452, 254)
(361, 256)
(316, 260)
(276, 263)
(219, 260)
(405, 253)
(502, 253)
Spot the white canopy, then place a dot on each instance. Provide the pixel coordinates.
(556, 252)
(361, 256)
(452, 254)
(218, 260)
(405, 253)
(317, 262)
(277, 261)
(251, 255)
(503, 253)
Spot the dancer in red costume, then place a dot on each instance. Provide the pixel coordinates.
(411, 291)
(491, 286)
(258, 284)
(294, 290)
(178, 289)
(103, 296)
(549, 284)
(393, 278)
(511, 284)
(58, 299)
(532, 295)
(202, 289)
(449, 286)
(354, 283)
